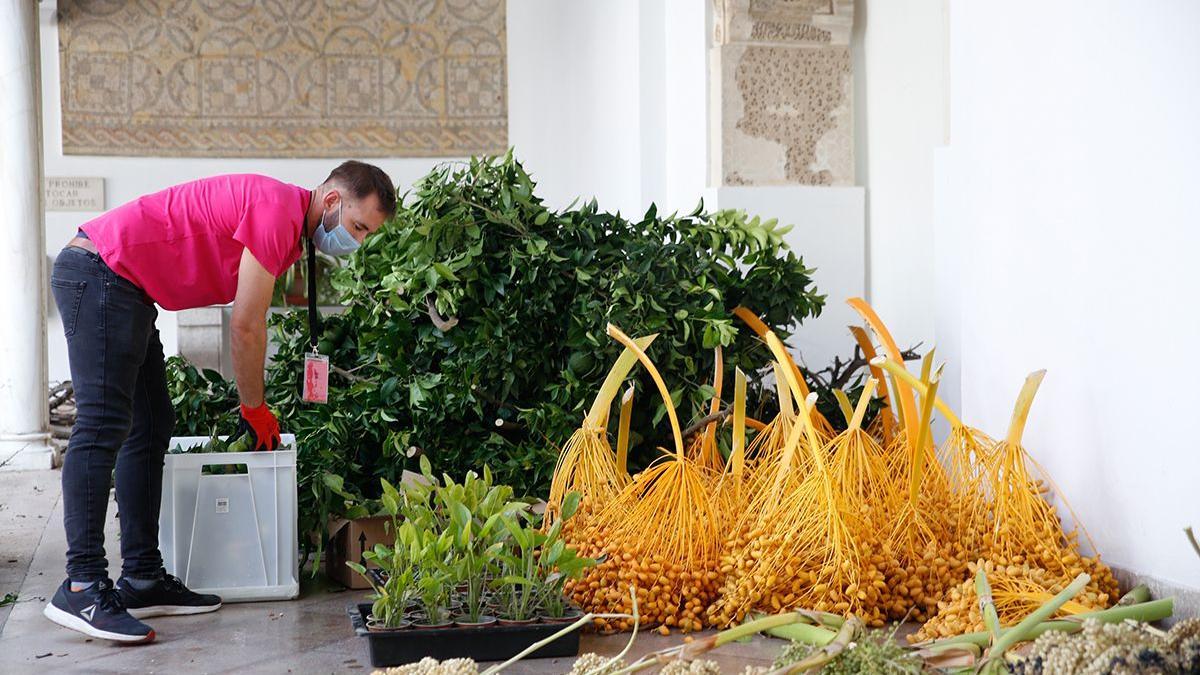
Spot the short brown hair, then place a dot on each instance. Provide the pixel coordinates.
(362, 180)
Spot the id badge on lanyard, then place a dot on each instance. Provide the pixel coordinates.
(316, 378)
(316, 365)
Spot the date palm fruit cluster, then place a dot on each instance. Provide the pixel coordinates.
(878, 521)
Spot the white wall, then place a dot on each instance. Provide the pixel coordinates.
(606, 100)
(899, 61)
(1069, 185)
(573, 98)
(685, 107)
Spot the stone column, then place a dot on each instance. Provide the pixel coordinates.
(24, 418)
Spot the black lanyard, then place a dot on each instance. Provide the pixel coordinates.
(314, 319)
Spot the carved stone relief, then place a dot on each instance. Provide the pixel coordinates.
(785, 86)
(301, 78)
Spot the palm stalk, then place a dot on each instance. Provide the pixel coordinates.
(886, 420)
(986, 607)
(695, 649)
(623, 434)
(762, 330)
(907, 404)
(1153, 610)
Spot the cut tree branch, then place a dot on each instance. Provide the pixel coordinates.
(442, 324)
(707, 420)
(505, 425)
(349, 375)
(838, 375)
(60, 394)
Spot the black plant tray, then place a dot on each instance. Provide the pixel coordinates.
(486, 643)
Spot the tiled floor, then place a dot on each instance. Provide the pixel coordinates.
(308, 635)
(27, 498)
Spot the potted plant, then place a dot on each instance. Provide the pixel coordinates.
(517, 586)
(392, 598)
(557, 563)
(394, 583)
(434, 580)
(465, 553)
(474, 550)
(475, 508)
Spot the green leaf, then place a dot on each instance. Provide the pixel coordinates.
(570, 504)
(416, 395)
(444, 272)
(335, 483)
(460, 514)
(390, 504)
(515, 581)
(519, 535)
(555, 552)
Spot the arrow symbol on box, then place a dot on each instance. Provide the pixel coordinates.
(362, 548)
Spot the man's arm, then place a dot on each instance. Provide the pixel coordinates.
(249, 328)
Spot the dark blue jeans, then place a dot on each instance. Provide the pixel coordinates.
(124, 417)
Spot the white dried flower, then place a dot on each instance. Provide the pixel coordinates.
(431, 666)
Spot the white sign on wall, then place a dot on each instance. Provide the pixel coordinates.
(68, 193)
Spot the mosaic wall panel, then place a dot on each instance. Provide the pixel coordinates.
(283, 78)
(786, 92)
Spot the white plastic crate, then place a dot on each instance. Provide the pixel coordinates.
(233, 535)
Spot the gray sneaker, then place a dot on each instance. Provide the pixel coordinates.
(97, 612)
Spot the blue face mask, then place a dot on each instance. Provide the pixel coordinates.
(337, 241)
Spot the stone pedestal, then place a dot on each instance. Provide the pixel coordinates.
(204, 338)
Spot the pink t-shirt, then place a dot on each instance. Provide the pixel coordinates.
(182, 246)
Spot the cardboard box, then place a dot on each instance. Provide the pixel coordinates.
(348, 540)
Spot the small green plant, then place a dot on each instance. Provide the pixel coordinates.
(454, 542)
(535, 564)
(435, 580)
(398, 588)
(396, 563)
(476, 508)
(559, 563)
(517, 586)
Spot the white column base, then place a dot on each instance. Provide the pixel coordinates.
(26, 452)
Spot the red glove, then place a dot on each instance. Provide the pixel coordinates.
(262, 426)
